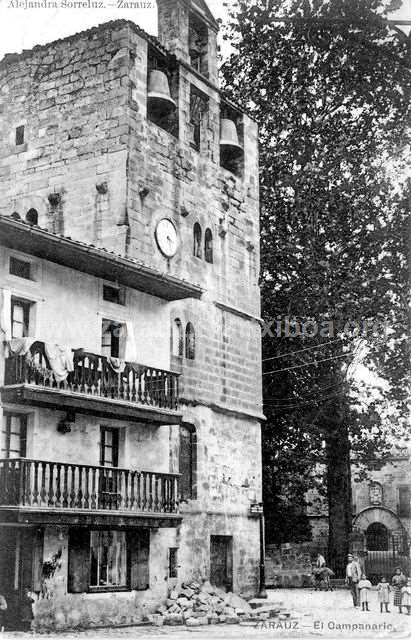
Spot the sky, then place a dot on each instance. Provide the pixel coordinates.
(22, 28)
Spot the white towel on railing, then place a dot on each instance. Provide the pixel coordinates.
(20, 346)
(5, 313)
(130, 351)
(116, 364)
(60, 359)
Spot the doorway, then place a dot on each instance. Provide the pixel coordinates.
(221, 562)
(21, 560)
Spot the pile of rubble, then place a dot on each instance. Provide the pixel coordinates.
(195, 605)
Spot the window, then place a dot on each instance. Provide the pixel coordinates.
(197, 240)
(113, 294)
(20, 315)
(108, 447)
(177, 338)
(404, 502)
(108, 560)
(198, 44)
(109, 490)
(198, 107)
(208, 246)
(190, 341)
(32, 217)
(110, 339)
(188, 462)
(20, 268)
(172, 562)
(13, 436)
(19, 135)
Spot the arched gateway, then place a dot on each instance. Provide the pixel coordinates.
(385, 542)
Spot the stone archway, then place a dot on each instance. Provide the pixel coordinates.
(385, 542)
(379, 515)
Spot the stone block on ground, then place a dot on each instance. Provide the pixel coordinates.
(183, 602)
(235, 601)
(193, 622)
(157, 620)
(173, 619)
(161, 609)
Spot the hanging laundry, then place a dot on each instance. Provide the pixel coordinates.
(130, 344)
(60, 359)
(5, 314)
(116, 364)
(20, 346)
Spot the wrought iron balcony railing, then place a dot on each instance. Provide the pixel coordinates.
(58, 485)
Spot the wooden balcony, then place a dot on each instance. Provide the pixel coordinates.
(139, 393)
(44, 491)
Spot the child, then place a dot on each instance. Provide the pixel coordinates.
(406, 596)
(364, 586)
(398, 582)
(26, 610)
(383, 589)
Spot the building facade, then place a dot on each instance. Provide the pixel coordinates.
(130, 360)
(381, 516)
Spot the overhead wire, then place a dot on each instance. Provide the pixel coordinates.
(307, 364)
(291, 353)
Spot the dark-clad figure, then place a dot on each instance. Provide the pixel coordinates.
(398, 581)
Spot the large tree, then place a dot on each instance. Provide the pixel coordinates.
(329, 84)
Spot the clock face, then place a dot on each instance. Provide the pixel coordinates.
(166, 236)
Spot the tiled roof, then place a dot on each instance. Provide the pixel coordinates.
(61, 249)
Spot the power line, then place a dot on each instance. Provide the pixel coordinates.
(328, 387)
(291, 353)
(307, 364)
(297, 405)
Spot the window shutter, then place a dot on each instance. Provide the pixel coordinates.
(186, 463)
(79, 561)
(139, 554)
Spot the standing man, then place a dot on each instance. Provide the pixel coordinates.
(352, 578)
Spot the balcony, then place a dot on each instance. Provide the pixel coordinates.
(139, 393)
(55, 492)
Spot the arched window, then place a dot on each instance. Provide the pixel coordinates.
(190, 341)
(177, 346)
(32, 216)
(208, 246)
(15, 216)
(197, 240)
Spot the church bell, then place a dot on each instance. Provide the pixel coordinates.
(159, 98)
(229, 143)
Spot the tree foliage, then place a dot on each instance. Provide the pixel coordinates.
(330, 90)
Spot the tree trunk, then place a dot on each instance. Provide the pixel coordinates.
(339, 491)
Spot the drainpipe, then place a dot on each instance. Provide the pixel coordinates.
(262, 592)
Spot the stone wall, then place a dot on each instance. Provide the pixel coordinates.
(289, 565)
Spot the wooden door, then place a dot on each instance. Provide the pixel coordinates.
(221, 562)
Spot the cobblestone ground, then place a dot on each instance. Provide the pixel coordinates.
(328, 615)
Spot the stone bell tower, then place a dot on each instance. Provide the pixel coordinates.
(188, 29)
